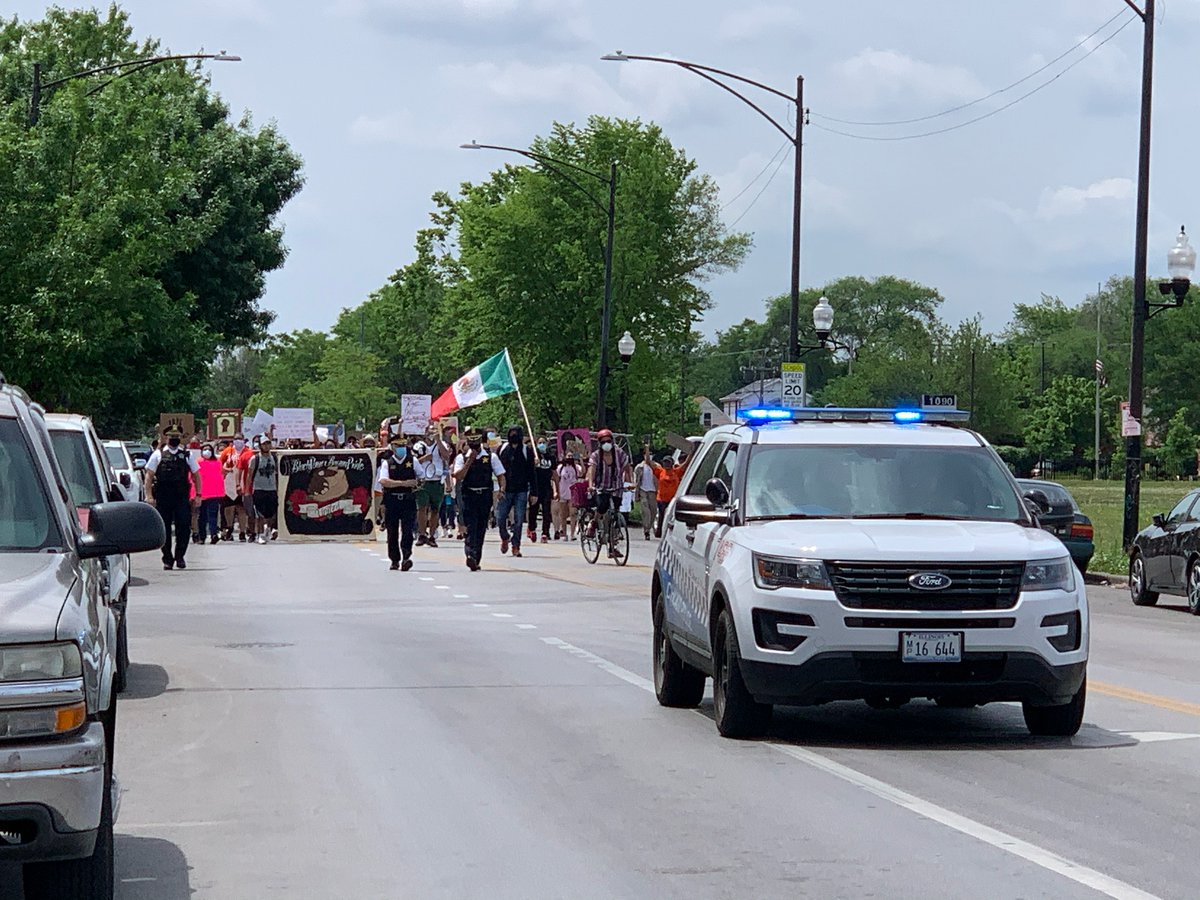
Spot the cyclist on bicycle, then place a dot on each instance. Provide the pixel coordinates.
(609, 470)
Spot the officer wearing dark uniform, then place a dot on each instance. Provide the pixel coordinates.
(398, 481)
(473, 471)
(170, 474)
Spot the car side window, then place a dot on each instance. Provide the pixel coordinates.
(1179, 513)
(706, 469)
(1194, 514)
(727, 466)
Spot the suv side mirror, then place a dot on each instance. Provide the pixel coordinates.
(139, 463)
(1040, 502)
(699, 511)
(126, 479)
(121, 528)
(1160, 521)
(717, 493)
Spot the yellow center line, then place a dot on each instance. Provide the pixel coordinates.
(1124, 693)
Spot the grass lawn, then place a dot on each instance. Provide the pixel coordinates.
(1104, 503)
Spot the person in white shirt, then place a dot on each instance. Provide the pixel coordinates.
(474, 468)
(171, 473)
(430, 457)
(646, 480)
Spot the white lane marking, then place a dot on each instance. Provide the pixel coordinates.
(462, 596)
(1039, 856)
(526, 627)
(364, 550)
(1154, 737)
(481, 605)
(502, 615)
(601, 663)
(441, 587)
(425, 577)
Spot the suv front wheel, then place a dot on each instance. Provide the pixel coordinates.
(89, 878)
(1057, 721)
(737, 713)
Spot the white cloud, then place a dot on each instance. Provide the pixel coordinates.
(538, 22)
(876, 76)
(572, 85)
(758, 22)
(1071, 201)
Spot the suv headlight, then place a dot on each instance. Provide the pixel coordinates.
(41, 690)
(39, 662)
(1049, 575)
(773, 572)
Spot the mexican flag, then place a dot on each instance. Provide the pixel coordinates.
(491, 378)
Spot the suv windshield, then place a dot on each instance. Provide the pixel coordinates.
(26, 519)
(76, 463)
(116, 457)
(872, 481)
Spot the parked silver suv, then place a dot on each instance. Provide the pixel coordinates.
(57, 663)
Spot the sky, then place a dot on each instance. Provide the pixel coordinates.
(377, 96)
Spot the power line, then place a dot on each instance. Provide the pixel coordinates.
(761, 192)
(987, 115)
(976, 102)
(753, 180)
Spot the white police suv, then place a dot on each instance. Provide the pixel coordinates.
(857, 554)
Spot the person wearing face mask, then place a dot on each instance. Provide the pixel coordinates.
(170, 474)
(397, 478)
(541, 492)
(474, 468)
(234, 459)
(263, 474)
(608, 473)
(212, 491)
(519, 466)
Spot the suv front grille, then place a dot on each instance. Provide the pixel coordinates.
(885, 585)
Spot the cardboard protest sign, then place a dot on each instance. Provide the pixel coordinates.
(223, 424)
(326, 495)
(574, 442)
(185, 422)
(293, 422)
(259, 424)
(415, 413)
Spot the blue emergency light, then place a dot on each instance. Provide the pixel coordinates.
(766, 415)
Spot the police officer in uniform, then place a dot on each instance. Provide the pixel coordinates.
(170, 474)
(473, 470)
(398, 480)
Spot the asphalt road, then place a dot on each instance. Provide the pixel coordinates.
(304, 723)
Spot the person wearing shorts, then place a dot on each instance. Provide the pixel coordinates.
(431, 470)
(264, 482)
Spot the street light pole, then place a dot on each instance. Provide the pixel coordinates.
(1133, 442)
(794, 137)
(134, 65)
(610, 211)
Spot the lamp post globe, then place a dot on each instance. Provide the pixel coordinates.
(823, 319)
(625, 346)
(1181, 259)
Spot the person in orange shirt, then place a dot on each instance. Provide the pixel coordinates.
(668, 476)
(234, 459)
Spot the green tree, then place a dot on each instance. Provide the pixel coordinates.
(347, 386)
(135, 223)
(1179, 449)
(1061, 422)
(291, 362)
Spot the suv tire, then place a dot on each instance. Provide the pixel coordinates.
(1193, 587)
(1057, 721)
(1141, 595)
(737, 713)
(676, 684)
(89, 878)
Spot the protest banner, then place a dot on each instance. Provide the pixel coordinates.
(415, 413)
(326, 495)
(185, 422)
(293, 422)
(223, 424)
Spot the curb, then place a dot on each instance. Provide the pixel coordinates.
(1106, 579)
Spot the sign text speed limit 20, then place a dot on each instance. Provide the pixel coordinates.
(792, 376)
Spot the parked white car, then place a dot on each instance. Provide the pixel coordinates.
(129, 476)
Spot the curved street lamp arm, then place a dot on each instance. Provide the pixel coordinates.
(791, 138)
(700, 68)
(139, 63)
(551, 164)
(1141, 12)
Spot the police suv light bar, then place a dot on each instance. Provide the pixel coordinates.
(764, 415)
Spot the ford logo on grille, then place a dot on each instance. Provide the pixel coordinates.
(930, 581)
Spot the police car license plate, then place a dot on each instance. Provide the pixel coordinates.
(931, 646)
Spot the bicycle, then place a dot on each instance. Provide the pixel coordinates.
(609, 530)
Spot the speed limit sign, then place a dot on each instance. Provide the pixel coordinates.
(792, 375)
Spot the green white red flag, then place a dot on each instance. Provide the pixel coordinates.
(493, 377)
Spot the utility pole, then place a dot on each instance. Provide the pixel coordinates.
(1137, 339)
(1099, 364)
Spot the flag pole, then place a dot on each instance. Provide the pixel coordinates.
(521, 403)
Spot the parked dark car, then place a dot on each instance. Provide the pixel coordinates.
(1065, 520)
(1165, 557)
